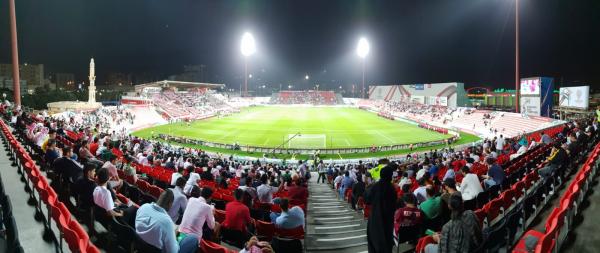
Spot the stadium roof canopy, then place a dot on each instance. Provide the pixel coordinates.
(178, 84)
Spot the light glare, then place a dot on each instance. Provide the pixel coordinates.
(362, 49)
(248, 46)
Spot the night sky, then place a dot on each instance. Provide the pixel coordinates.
(425, 41)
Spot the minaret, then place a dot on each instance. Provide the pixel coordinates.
(92, 88)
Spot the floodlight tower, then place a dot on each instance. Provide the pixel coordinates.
(248, 48)
(362, 50)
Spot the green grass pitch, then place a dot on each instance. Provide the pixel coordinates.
(320, 127)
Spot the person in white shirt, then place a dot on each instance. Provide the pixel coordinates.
(500, 143)
(197, 213)
(192, 180)
(470, 186)
(179, 201)
(421, 192)
(265, 191)
(102, 196)
(176, 175)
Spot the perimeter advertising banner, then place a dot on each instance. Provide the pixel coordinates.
(530, 106)
(575, 97)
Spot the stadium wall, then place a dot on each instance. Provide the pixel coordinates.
(445, 94)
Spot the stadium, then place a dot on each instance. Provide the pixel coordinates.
(190, 163)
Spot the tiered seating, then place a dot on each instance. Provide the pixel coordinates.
(560, 222)
(70, 230)
(305, 97)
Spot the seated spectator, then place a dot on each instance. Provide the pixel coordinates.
(265, 192)
(85, 186)
(432, 206)
(421, 192)
(193, 178)
(557, 157)
(408, 216)
(197, 213)
(102, 195)
(254, 245)
(495, 174)
(179, 201)
(237, 220)
(289, 217)
(128, 168)
(470, 186)
(461, 234)
(176, 175)
(51, 151)
(67, 167)
(154, 226)
(115, 182)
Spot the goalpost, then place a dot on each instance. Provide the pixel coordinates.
(307, 141)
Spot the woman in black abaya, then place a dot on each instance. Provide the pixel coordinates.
(382, 198)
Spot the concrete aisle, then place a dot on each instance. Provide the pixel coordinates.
(585, 235)
(332, 226)
(30, 230)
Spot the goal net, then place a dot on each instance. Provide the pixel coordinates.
(307, 141)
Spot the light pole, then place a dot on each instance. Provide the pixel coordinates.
(248, 48)
(362, 50)
(15, 53)
(517, 79)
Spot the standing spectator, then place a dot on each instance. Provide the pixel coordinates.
(431, 207)
(461, 234)
(358, 190)
(176, 175)
(382, 198)
(237, 219)
(197, 213)
(179, 200)
(264, 191)
(322, 170)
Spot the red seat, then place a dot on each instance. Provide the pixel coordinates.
(507, 198)
(493, 209)
(211, 247)
(264, 230)
(294, 233)
(423, 241)
(76, 237)
(154, 191)
(92, 249)
(481, 216)
(227, 198)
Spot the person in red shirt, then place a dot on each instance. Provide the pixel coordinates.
(237, 219)
(94, 146)
(407, 219)
(297, 194)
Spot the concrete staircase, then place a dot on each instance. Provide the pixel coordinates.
(332, 226)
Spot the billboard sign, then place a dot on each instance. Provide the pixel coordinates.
(530, 86)
(576, 97)
(530, 106)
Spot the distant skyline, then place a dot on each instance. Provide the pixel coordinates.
(470, 41)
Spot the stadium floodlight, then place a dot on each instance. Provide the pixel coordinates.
(306, 77)
(363, 48)
(248, 44)
(248, 48)
(250, 76)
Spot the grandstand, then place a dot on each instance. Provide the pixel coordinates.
(306, 97)
(527, 204)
